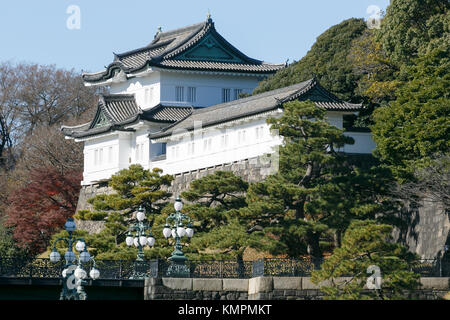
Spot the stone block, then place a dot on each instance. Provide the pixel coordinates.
(308, 285)
(260, 284)
(178, 283)
(258, 296)
(287, 283)
(235, 285)
(435, 283)
(207, 284)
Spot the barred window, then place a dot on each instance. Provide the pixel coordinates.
(192, 94)
(179, 94)
(226, 95)
(237, 92)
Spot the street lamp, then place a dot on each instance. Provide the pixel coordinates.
(142, 236)
(178, 230)
(74, 274)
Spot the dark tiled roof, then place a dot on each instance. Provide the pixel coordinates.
(222, 66)
(164, 50)
(167, 113)
(120, 110)
(119, 107)
(258, 104)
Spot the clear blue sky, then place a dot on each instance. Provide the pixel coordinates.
(273, 31)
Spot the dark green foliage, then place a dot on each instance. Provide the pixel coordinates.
(366, 243)
(414, 27)
(223, 226)
(327, 60)
(134, 187)
(90, 215)
(415, 126)
(308, 161)
(8, 246)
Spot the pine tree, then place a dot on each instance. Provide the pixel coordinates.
(224, 228)
(366, 248)
(133, 187)
(308, 160)
(415, 127)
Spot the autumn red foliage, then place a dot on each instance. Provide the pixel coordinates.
(41, 207)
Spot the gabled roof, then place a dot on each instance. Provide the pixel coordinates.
(260, 103)
(197, 47)
(115, 111)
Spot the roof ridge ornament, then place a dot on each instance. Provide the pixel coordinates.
(158, 32)
(208, 16)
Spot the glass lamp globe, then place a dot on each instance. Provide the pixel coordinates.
(94, 274)
(80, 246)
(167, 232)
(151, 241)
(136, 242)
(70, 225)
(178, 204)
(85, 256)
(69, 256)
(189, 232)
(80, 273)
(129, 240)
(55, 256)
(143, 240)
(140, 215)
(181, 232)
(174, 233)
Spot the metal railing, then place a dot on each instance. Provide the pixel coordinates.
(125, 269)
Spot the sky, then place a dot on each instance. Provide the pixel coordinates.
(83, 34)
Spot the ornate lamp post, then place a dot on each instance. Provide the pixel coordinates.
(74, 274)
(177, 231)
(142, 236)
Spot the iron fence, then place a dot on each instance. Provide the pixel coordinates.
(127, 269)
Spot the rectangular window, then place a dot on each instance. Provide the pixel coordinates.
(192, 94)
(224, 141)
(226, 95)
(137, 152)
(100, 156)
(237, 92)
(207, 144)
(146, 96)
(191, 148)
(110, 155)
(96, 157)
(259, 132)
(179, 94)
(241, 136)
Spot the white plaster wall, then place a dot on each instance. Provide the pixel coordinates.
(214, 152)
(137, 86)
(208, 86)
(363, 143)
(180, 158)
(109, 148)
(163, 84)
(201, 149)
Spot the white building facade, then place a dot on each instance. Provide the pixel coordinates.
(176, 105)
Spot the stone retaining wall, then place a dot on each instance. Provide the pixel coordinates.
(261, 288)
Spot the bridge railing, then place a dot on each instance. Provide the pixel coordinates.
(127, 269)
